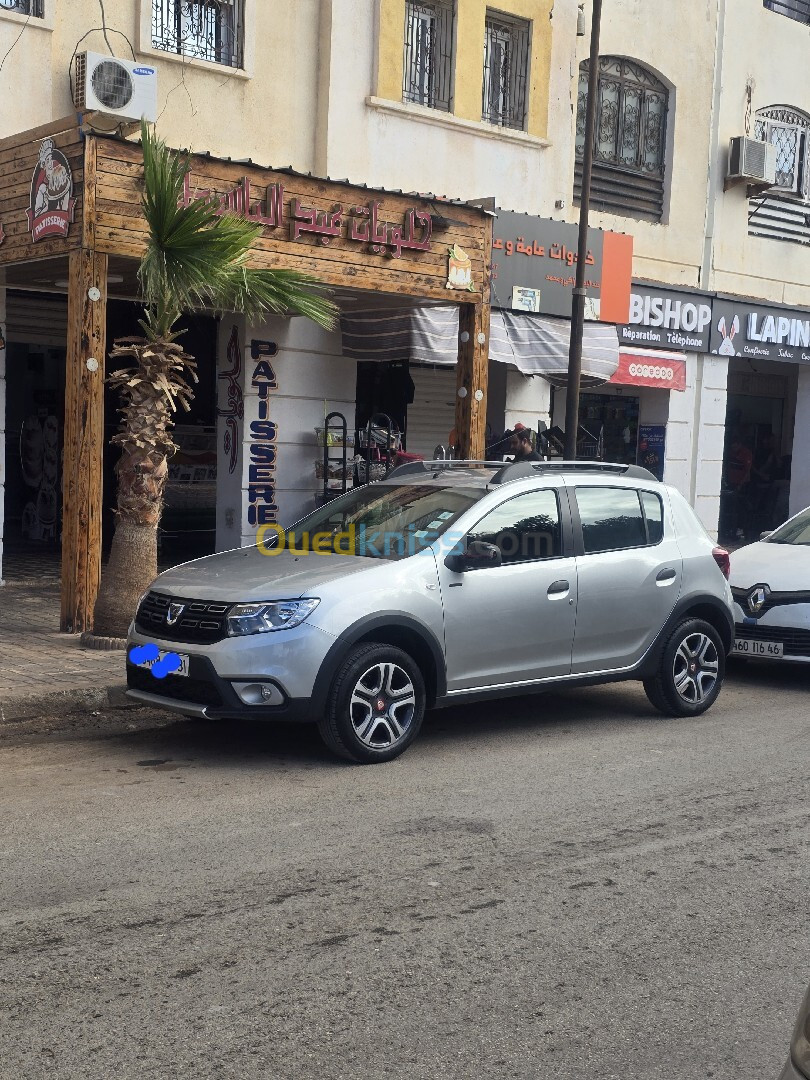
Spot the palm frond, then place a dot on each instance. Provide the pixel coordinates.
(196, 257)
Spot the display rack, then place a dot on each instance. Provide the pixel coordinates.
(334, 469)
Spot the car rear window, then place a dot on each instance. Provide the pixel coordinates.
(611, 518)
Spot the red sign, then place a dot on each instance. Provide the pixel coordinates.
(52, 204)
(649, 369)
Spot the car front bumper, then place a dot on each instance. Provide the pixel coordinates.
(787, 623)
(286, 663)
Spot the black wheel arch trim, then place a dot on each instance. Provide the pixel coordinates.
(363, 630)
(696, 605)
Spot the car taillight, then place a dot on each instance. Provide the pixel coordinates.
(721, 557)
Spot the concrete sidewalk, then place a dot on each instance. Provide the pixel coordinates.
(43, 671)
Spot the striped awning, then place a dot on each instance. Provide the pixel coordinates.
(538, 345)
(534, 344)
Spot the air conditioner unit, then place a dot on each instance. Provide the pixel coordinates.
(752, 160)
(116, 88)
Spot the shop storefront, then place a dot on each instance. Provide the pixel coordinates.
(768, 351)
(72, 233)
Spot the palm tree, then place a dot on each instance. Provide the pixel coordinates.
(195, 259)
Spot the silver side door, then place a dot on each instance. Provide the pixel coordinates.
(513, 623)
(630, 570)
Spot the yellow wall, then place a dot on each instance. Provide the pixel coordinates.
(469, 55)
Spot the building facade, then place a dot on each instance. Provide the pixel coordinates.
(483, 106)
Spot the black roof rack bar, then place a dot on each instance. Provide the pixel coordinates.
(507, 472)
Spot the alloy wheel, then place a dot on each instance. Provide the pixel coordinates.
(382, 705)
(696, 668)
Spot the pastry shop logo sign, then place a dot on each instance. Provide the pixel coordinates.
(459, 269)
(52, 202)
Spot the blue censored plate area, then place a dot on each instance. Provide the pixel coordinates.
(160, 663)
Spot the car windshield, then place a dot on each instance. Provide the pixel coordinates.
(796, 531)
(383, 521)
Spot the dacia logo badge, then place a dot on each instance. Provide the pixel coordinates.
(174, 613)
(756, 599)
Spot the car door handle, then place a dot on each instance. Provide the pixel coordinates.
(558, 588)
(663, 577)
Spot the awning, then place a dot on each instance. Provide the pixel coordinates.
(425, 335)
(534, 344)
(538, 345)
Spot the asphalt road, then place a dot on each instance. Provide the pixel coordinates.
(556, 887)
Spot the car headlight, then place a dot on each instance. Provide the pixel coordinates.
(247, 619)
(800, 1046)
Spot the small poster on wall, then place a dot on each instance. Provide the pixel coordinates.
(651, 448)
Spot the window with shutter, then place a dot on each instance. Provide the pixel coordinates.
(783, 211)
(629, 140)
(794, 9)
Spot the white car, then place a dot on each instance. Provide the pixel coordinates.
(770, 584)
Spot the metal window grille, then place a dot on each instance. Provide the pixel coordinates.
(629, 138)
(782, 213)
(202, 29)
(794, 9)
(35, 8)
(506, 71)
(428, 70)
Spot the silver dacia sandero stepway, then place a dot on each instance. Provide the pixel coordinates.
(444, 583)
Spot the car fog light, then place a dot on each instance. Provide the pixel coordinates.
(256, 693)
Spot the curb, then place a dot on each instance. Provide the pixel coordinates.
(65, 701)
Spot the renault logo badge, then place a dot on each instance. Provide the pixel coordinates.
(757, 598)
(175, 611)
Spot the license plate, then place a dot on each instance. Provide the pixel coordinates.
(747, 647)
(183, 657)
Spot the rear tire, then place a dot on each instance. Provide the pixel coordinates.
(375, 706)
(690, 671)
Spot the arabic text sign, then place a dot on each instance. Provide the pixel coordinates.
(358, 224)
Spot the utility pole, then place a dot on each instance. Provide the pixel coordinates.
(578, 304)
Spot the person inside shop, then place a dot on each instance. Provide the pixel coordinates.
(765, 470)
(738, 477)
(521, 445)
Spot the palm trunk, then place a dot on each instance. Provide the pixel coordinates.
(150, 388)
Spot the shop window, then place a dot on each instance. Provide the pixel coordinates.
(794, 9)
(428, 68)
(629, 163)
(210, 30)
(34, 8)
(506, 70)
(611, 519)
(782, 212)
(525, 529)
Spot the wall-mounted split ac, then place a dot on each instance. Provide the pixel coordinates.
(752, 161)
(120, 89)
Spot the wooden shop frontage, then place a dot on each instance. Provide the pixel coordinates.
(71, 236)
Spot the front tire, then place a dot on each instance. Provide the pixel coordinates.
(690, 672)
(375, 706)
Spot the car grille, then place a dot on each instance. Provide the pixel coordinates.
(201, 622)
(179, 688)
(772, 599)
(795, 641)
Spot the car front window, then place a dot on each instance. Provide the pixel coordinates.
(382, 521)
(796, 531)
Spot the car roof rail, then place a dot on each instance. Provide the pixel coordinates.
(420, 468)
(517, 470)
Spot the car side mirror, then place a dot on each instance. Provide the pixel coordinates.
(477, 555)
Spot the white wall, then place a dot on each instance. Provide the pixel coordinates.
(313, 379)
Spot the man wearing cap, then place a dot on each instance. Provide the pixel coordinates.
(521, 445)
